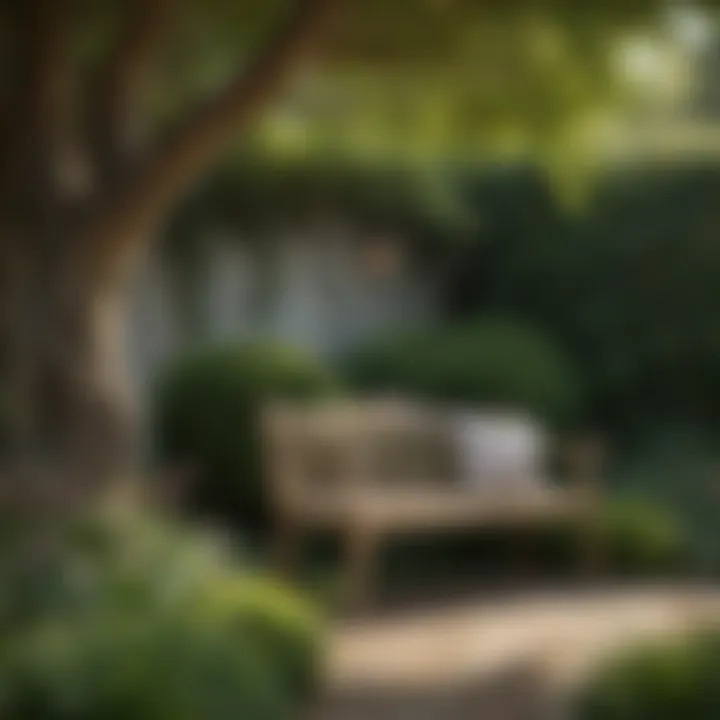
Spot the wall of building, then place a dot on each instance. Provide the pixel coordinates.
(320, 290)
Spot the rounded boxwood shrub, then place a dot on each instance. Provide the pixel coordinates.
(134, 618)
(639, 538)
(644, 537)
(489, 361)
(662, 681)
(206, 418)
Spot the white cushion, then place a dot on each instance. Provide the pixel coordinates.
(499, 450)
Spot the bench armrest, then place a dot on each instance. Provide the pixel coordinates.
(582, 460)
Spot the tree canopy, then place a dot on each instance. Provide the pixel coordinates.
(112, 109)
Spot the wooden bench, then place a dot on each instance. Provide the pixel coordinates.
(371, 470)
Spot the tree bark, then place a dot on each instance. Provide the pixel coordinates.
(122, 85)
(67, 411)
(66, 254)
(135, 210)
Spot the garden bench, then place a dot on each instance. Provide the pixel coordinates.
(373, 470)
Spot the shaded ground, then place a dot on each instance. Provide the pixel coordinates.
(508, 657)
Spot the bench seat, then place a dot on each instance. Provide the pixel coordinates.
(368, 473)
(408, 509)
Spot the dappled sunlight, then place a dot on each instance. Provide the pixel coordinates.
(533, 647)
(359, 360)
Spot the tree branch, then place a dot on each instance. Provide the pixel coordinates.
(37, 121)
(124, 80)
(134, 212)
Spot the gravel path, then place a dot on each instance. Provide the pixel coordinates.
(503, 658)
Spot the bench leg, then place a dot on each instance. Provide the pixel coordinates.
(360, 568)
(524, 566)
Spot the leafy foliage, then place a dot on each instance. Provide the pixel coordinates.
(640, 537)
(644, 537)
(128, 616)
(447, 76)
(661, 681)
(676, 465)
(463, 77)
(629, 284)
(488, 361)
(207, 417)
(415, 198)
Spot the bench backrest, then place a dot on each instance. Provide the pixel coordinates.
(341, 446)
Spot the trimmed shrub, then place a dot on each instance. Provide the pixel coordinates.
(639, 537)
(488, 361)
(644, 537)
(629, 284)
(142, 620)
(206, 417)
(676, 464)
(662, 681)
(641, 540)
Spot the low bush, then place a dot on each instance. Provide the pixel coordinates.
(206, 417)
(629, 284)
(676, 464)
(145, 621)
(644, 537)
(663, 681)
(489, 361)
(639, 538)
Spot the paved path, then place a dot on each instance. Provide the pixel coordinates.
(503, 658)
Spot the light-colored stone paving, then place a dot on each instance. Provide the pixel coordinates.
(511, 658)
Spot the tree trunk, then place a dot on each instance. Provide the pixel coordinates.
(76, 204)
(67, 418)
